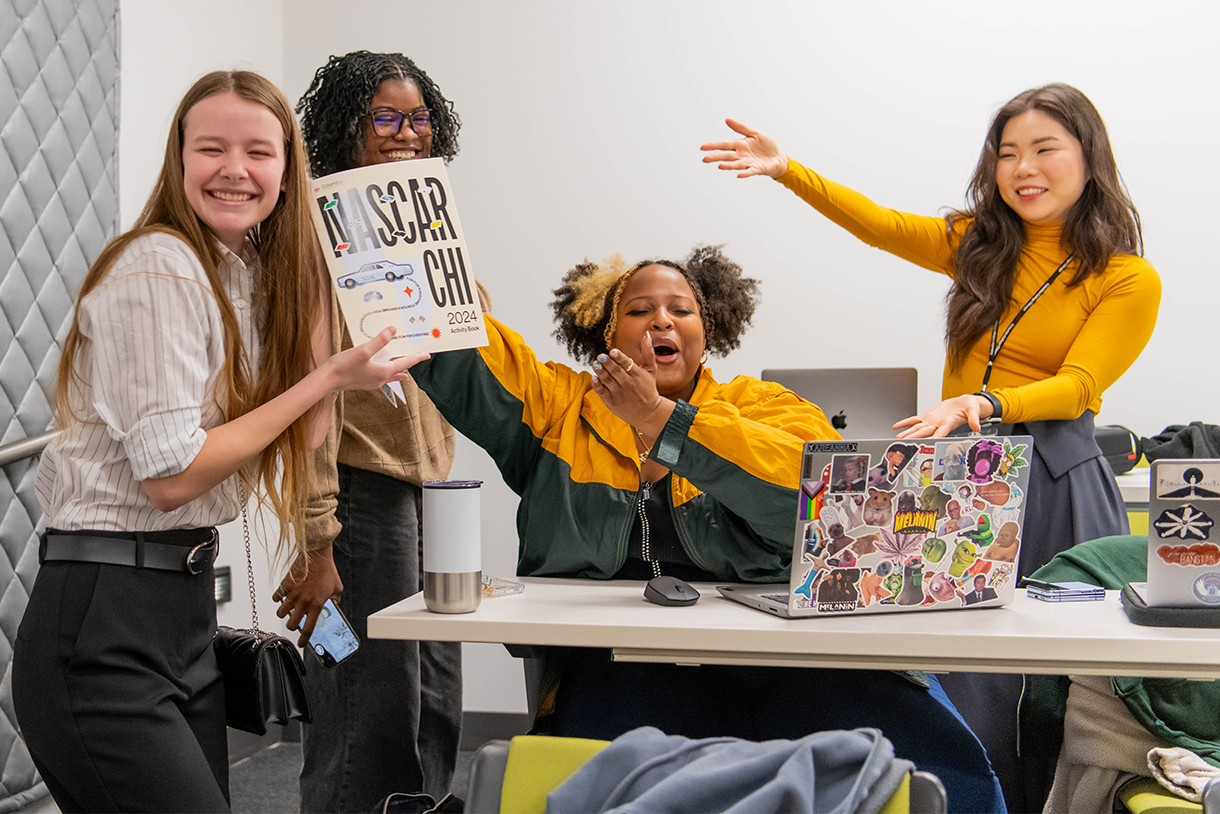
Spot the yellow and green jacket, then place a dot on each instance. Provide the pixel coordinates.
(734, 452)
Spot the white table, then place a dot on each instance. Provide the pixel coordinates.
(1133, 486)
(1028, 636)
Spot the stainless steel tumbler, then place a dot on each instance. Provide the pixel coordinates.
(453, 572)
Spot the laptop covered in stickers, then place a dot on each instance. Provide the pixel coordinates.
(886, 526)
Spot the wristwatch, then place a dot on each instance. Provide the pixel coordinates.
(997, 409)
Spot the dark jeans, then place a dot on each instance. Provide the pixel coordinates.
(389, 718)
(600, 698)
(117, 691)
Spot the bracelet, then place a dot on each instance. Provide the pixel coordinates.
(997, 409)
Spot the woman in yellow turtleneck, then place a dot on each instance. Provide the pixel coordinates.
(1045, 195)
(1046, 189)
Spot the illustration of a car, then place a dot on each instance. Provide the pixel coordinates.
(374, 272)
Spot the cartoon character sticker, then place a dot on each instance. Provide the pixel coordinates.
(1012, 459)
(983, 461)
(896, 458)
(964, 556)
(941, 588)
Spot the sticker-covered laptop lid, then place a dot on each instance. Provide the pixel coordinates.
(1183, 549)
(897, 525)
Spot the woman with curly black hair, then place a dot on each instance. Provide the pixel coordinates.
(389, 720)
(647, 466)
(336, 110)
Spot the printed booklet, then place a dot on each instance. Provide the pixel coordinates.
(397, 255)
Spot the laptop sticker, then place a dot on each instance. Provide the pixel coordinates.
(1006, 543)
(983, 461)
(1184, 480)
(964, 555)
(896, 459)
(871, 588)
(847, 473)
(934, 549)
(941, 588)
(879, 508)
(933, 498)
(996, 493)
(1013, 458)
(1184, 522)
(837, 593)
(950, 461)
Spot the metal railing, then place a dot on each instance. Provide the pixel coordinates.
(26, 447)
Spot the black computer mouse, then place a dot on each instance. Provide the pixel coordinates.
(670, 591)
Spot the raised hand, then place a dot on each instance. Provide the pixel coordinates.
(755, 154)
(629, 388)
(355, 368)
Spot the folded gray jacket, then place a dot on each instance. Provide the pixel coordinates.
(648, 771)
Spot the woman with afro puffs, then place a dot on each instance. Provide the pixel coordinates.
(646, 465)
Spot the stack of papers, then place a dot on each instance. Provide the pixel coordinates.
(1064, 591)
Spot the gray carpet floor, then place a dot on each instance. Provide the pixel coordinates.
(266, 782)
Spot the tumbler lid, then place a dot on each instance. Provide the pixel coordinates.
(452, 484)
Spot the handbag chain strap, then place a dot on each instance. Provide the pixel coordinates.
(245, 528)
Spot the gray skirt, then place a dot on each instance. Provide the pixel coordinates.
(1072, 495)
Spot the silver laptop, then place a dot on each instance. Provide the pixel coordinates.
(1183, 543)
(860, 402)
(886, 526)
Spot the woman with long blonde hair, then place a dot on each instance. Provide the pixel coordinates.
(195, 363)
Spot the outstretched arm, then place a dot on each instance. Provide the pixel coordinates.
(228, 447)
(921, 239)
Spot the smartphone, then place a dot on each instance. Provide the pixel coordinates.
(333, 640)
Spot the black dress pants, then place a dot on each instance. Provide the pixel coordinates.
(117, 692)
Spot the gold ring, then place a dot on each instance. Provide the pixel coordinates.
(630, 366)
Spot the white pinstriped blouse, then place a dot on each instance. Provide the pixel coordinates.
(152, 346)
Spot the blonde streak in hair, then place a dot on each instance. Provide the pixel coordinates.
(619, 285)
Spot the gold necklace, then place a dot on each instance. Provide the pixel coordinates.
(644, 454)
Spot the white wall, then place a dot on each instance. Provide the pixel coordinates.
(582, 123)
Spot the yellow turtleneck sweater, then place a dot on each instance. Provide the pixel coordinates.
(1067, 349)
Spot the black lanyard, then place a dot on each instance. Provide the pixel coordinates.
(996, 346)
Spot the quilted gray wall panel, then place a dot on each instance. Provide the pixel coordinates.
(59, 204)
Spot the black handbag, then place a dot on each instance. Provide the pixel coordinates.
(264, 674)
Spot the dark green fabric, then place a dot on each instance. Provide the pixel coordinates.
(1177, 711)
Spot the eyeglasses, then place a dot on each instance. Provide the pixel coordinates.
(388, 121)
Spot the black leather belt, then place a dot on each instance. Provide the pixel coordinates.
(135, 550)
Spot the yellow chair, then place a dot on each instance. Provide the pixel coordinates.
(1143, 795)
(515, 777)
